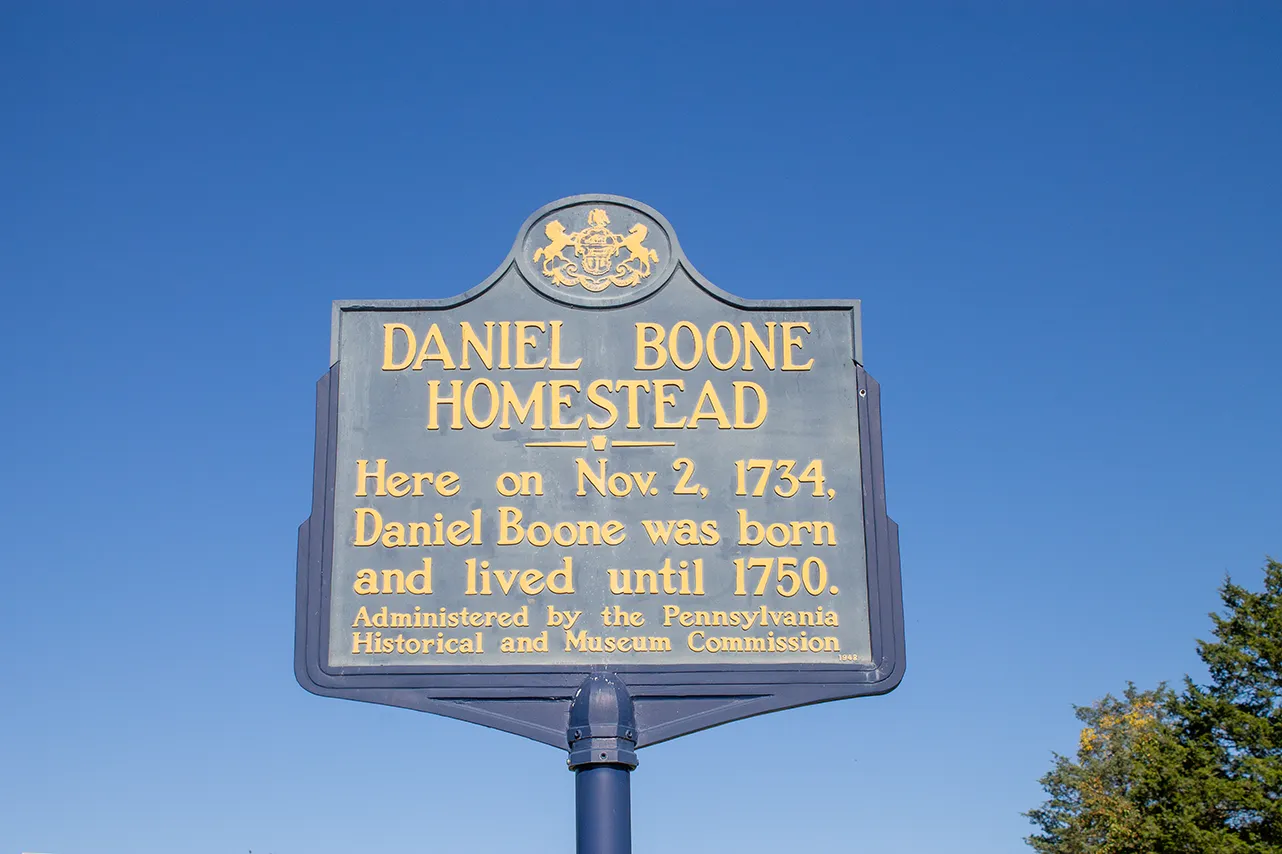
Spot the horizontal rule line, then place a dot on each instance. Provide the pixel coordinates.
(626, 444)
(599, 444)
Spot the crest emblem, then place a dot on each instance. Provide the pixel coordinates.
(594, 265)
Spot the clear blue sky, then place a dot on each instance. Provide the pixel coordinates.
(1063, 220)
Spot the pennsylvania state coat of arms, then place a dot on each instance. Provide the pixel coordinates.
(593, 265)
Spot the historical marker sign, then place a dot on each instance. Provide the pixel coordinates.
(597, 460)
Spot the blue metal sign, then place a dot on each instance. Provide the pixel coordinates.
(598, 462)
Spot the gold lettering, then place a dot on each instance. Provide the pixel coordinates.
(513, 405)
(470, 399)
(393, 535)
(523, 340)
(604, 403)
(719, 364)
(661, 399)
(612, 533)
(631, 387)
(780, 534)
(561, 581)
(656, 345)
(472, 341)
(717, 413)
(434, 400)
(389, 341)
(789, 341)
(556, 364)
(461, 532)
(531, 582)
(596, 478)
(740, 406)
(559, 400)
(686, 364)
(510, 530)
(765, 348)
(362, 475)
(395, 482)
(505, 350)
(420, 580)
(440, 354)
(375, 519)
(366, 583)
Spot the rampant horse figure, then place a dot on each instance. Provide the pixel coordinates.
(644, 254)
(559, 240)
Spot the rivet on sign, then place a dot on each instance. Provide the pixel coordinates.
(602, 755)
(863, 392)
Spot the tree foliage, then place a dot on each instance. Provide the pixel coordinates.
(1235, 722)
(1198, 772)
(1101, 802)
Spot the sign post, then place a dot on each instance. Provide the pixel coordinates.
(598, 502)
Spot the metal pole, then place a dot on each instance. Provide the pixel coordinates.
(603, 810)
(602, 739)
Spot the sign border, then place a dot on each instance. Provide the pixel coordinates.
(534, 700)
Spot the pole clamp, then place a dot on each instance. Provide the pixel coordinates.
(603, 724)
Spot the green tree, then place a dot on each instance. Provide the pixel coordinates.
(1197, 773)
(1234, 724)
(1108, 799)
